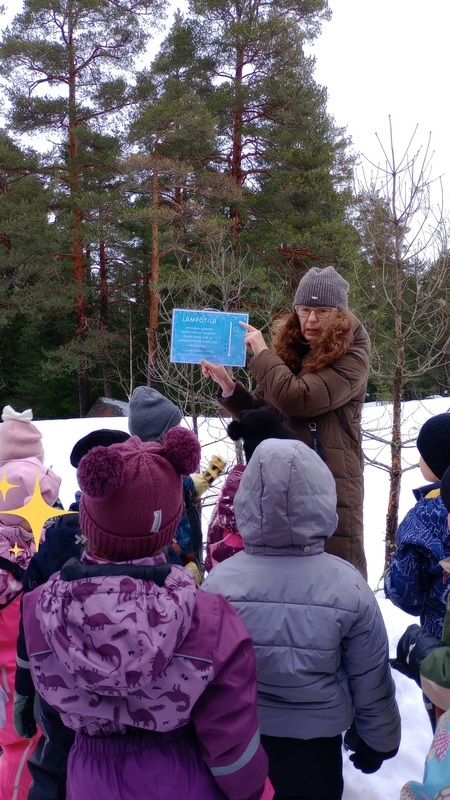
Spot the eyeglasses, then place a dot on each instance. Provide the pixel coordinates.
(305, 311)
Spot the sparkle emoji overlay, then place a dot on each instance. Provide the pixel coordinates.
(5, 485)
(36, 511)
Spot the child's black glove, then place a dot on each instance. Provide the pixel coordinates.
(23, 716)
(413, 646)
(364, 758)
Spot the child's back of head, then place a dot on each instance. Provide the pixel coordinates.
(433, 444)
(19, 482)
(19, 438)
(254, 425)
(151, 414)
(132, 497)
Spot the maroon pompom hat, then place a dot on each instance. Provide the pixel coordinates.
(132, 493)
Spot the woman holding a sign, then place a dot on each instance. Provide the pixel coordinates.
(316, 375)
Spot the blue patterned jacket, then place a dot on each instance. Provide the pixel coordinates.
(415, 581)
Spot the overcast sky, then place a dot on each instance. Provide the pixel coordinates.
(389, 57)
(379, 58)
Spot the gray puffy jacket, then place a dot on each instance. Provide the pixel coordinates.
(319, 636)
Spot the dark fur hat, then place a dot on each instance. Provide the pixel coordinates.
(257, 424)
(103, 436)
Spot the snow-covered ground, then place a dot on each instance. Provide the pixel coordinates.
(60, 435)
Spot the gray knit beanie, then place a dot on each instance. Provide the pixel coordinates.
(322, 287)
(433, 443)
(151, 414)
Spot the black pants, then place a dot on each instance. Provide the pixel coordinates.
(431, 711)
(305, 769)
(48, 762)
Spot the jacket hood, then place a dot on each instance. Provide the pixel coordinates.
(101, 626)
(22, 474)
(430, 489)
(286, 501)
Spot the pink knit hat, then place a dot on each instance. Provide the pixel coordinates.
(132, 495)
(19, 438)
(21, 474)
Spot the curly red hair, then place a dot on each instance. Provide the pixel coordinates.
(332, 342)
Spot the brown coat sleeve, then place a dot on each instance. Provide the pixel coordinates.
(310, 394)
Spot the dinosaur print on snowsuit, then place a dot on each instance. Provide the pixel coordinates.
(133, 657)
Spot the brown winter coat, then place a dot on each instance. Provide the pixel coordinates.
(333, 399)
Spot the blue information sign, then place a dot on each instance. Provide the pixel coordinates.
(213, 335)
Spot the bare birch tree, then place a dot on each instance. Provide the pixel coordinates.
(405, 293)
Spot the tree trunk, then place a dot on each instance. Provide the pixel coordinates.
(153, 297)
(84, 383)
(77, 223)
(104, 324)
(236, 157)
(192, 400)
(395, 471)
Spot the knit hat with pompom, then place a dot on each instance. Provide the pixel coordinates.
(19, 438)
(132, 497)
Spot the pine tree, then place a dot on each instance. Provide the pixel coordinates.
(288, 162)
(176, 192)
(33, 303)
(65, 63)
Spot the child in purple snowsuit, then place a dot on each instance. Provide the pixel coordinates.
(21, 464)
(157, 678)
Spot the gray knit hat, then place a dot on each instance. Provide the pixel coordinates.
(433, 443)
(322, 287)
(151, 414)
